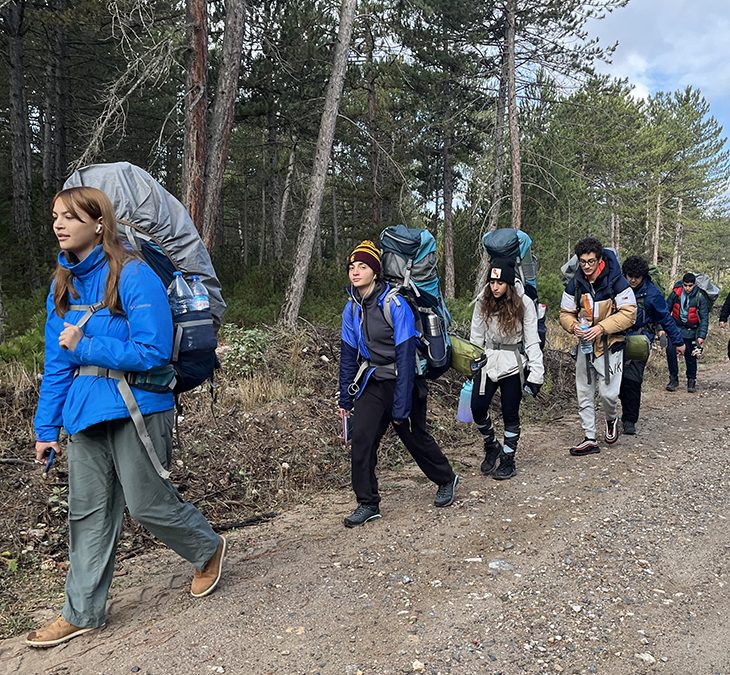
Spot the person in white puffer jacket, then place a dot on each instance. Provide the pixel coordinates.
(504, 324)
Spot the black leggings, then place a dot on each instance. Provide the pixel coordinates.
(370, 419)
(511, 393)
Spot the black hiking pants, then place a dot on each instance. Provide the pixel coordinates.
(630, 393)
(371, 416)
(689, 360)
(510, 389)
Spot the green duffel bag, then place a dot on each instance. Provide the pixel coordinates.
(637, 348)
(463, 353)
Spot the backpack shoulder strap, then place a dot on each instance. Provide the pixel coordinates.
(89, 311)
(391, 297)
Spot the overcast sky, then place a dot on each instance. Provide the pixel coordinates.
(665, 45)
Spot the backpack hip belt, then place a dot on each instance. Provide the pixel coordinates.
(125, 391)
(134, 411)
(518, 349)
(354, 388)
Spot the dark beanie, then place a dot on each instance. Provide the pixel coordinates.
(689, 278)
(366, 252)
(502, 269)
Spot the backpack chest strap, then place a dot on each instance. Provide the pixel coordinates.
(88, 310)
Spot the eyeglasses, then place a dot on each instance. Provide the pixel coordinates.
(587, 263)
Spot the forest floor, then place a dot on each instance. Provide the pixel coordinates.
(614, 563)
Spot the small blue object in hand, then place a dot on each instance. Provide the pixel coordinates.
(49, 462)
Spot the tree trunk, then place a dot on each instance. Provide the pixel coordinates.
(514, 127)
(498, 178)
(335, 220)
(677, 254)
(272, 144)
(196, 103)
(449, 283)
(647, 228)
(12, 16)
(280, 228)
(3, 317)
(375, 201)
(657, 227)
(310, 217)
(617, 232)
(222, 119)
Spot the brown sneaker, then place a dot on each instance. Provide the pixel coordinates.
(205, 580)
(54, 633)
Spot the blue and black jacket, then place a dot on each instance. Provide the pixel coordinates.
(385, 353)
(136, 341)
(651, 309)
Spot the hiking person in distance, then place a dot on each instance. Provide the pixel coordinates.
(379, 386)
(690, 310)
(651, 311)
(108, 465)
(724, 314)
(601, 299)
(504, 324)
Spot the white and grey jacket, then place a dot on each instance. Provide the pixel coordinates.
(509, 354)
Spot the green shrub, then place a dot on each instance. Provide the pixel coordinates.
(245, 350)
(27, 349)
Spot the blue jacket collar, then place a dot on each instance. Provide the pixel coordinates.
(87, 266)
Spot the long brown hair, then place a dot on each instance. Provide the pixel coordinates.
(508, 309)
(95, 204)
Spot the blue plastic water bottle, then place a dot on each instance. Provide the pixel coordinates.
(463, 412)
(585, 347)
(179, 295)
(200, 294)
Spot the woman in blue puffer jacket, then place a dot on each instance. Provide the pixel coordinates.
(107, 461)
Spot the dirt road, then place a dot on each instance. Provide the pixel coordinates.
(613, 563)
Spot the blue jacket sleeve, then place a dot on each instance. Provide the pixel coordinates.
(348, 357)
(659, 313)
(149, 344)
(725, 311)
(404, 336)
(58, 374)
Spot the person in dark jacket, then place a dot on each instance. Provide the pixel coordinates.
(108, 465)
(379, 386)
(651, 311)
(599, 295)
(690, 310)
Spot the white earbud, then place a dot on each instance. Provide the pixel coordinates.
(99, 228)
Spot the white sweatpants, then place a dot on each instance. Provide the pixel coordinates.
(608, 393)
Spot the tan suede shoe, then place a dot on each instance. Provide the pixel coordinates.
(205, 580)
(54, 633)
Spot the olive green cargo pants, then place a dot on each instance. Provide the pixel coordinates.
(108, 470)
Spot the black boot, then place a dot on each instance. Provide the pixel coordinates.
(691, 385)
(672, 384)
(506, 468)
(492, 450)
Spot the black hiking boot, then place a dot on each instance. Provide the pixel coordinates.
(673, 384)
(491, 455)
(691, 386)
(506, 468)
(362, 514)
(629, 428)
(446, 492)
